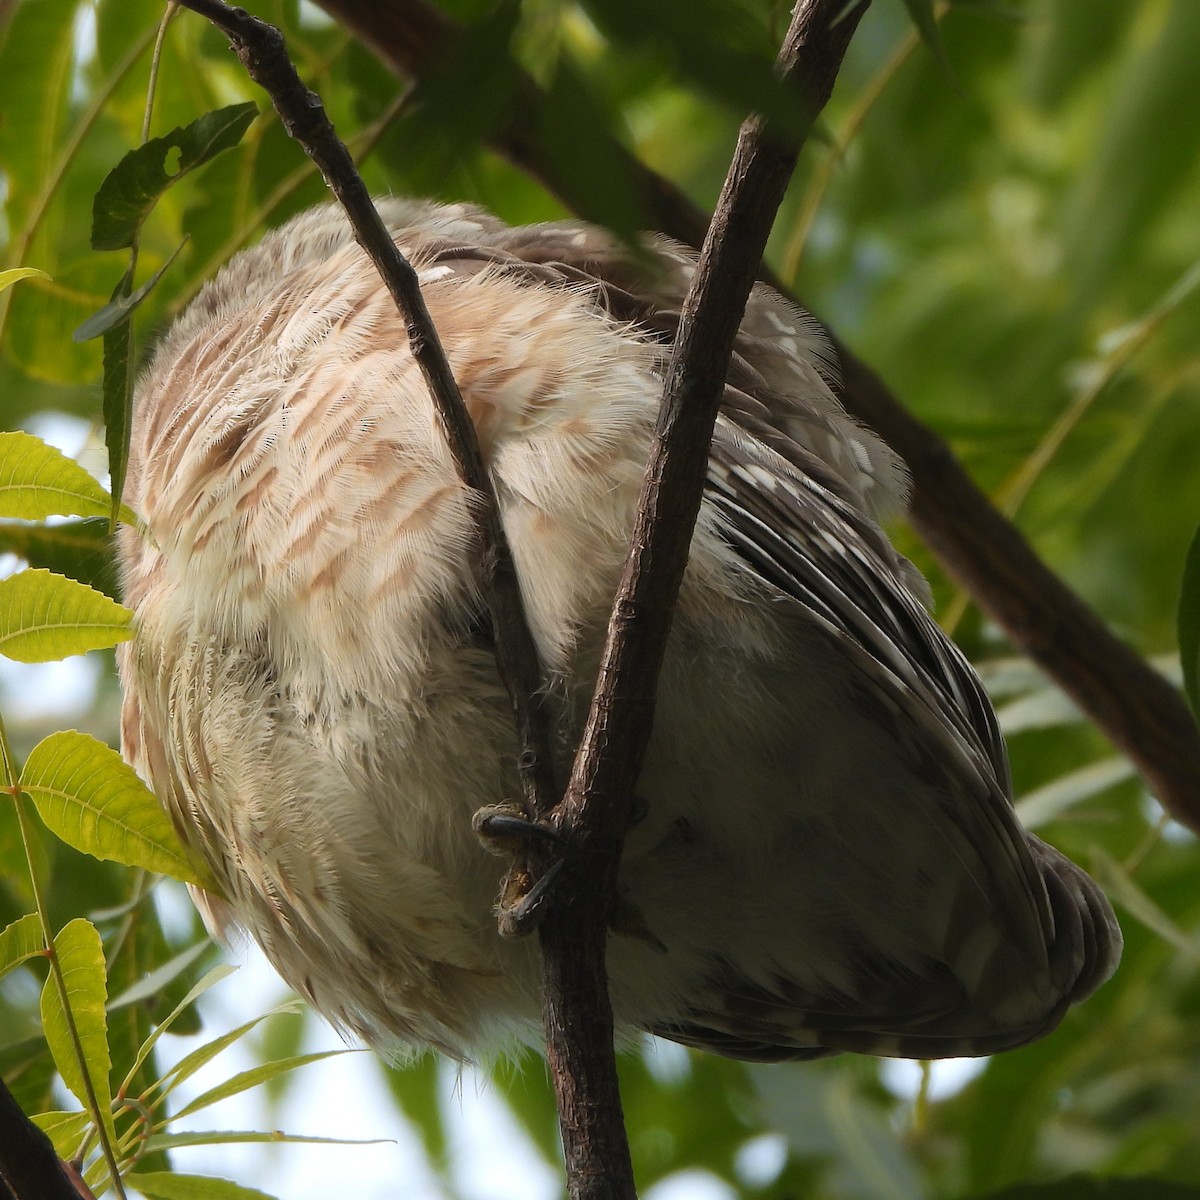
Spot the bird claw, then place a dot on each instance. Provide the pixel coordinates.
(505, 830)
(522, 902)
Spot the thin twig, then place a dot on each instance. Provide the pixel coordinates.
(262, 51)
(1133, 705)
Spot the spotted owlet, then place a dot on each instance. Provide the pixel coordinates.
(829, 857)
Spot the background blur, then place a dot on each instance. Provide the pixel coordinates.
(1011, 236)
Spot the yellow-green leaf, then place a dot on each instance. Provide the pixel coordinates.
(1121, 887)
(242, 1137)
(39, 481)
(65, 1129)
(245, 1080)
(170, 1185)
(45, 617)
(79, 549)
(81, 960)
(1051, 800)
(133, 186)
(187, 1066)
(8, 278)
(88, 796)
(209, 979)
(19, 941)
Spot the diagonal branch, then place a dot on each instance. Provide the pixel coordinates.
(1139, 711)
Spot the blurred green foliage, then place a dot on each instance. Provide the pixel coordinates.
(988, 225)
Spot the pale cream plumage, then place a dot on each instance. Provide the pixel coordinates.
(829, 854)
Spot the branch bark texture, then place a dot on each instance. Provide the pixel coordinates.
(983, 551)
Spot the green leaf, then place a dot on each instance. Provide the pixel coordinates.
(39, 481)
(88, 796)
(8, 278)
(921, 12)
(170, 1185)
(35, 64)
(1121, 888)
(415, 1088)
(1189, 624)
(209, 979)
(202, 1055)
(827, 1114)
(590, 170)
(471, 91)
(1052, 799)
(132, 188)
(231, 1137)
(81, 960)
(1045, 708)
(66, 1130)
(1086, 1187)
(719, 48)
(21, 940)
(122, 305)
(80, 550)
(45, 617)
(1132, 176)
(244, 1080)
(153, 982)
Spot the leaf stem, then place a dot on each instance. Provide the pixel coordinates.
(155, 63)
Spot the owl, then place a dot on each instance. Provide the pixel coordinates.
(826, 856)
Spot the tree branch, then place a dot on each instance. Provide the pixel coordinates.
(29, 1167)
(1139, 711)
(595, 809)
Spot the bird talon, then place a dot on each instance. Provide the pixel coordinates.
(505, 830)
(521, 909)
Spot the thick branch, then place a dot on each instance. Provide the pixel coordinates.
(29, 1167)
(596, 807)
(976, 545)
(262, 51)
